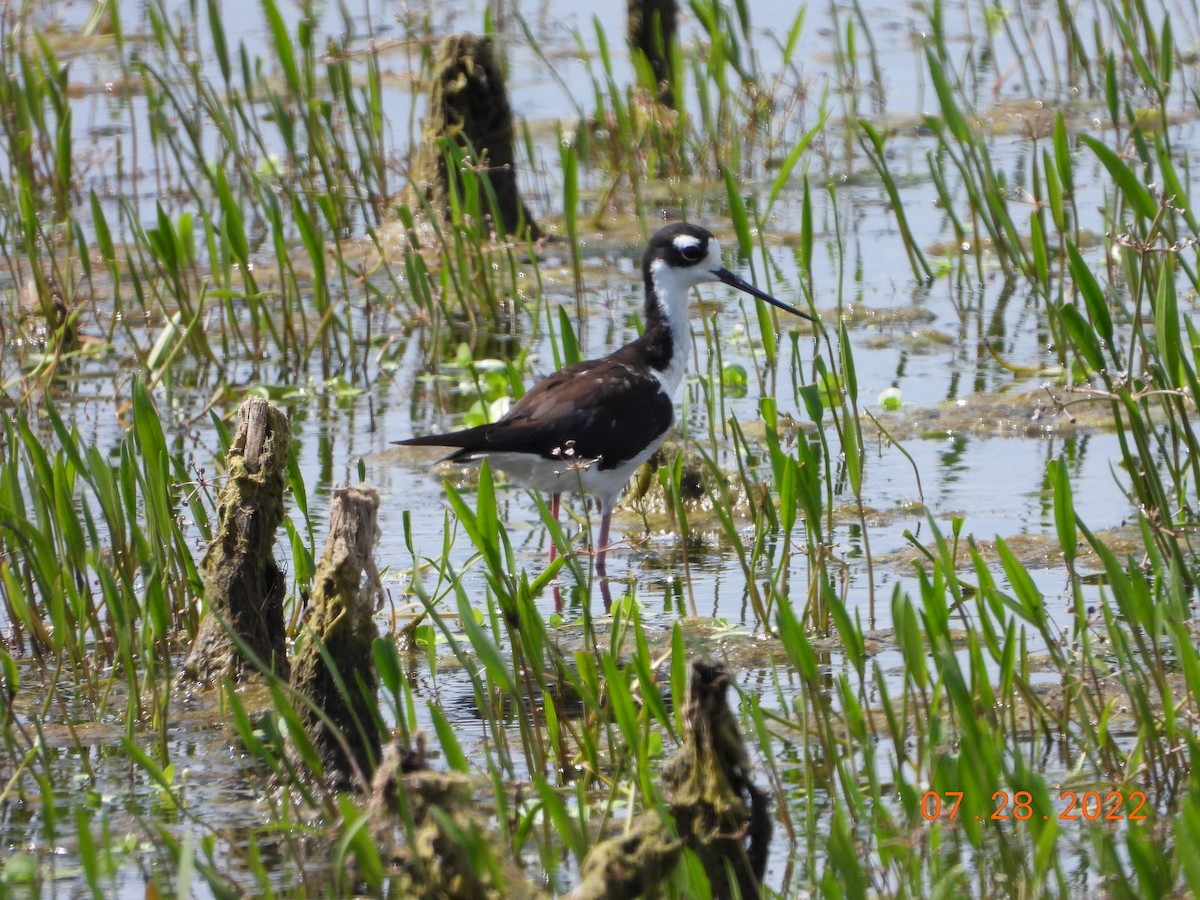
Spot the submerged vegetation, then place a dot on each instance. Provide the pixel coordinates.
(201, 204)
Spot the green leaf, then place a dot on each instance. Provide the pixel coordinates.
(570, 343)
(448, 740)
(950, 111)
(738, 215)
(220, 48)
(1082, 335)
(232, 226)
(1166, 57)
(1037, 240)
(387, 663)
(488, 653)
(1093, 296)
(1167, 336)
(848, 361)
(356, 836)
(851, 632)
(296, 732)
(164, 347)
(10, 679)
(1064, 508)
(811, 395)
(1112, 89)
(565, 825)
(806, 229)
(1023, 585)
(651, 694)
(678, 675)
(283, 46)
(1136, 194)
(1054, 192)
(104, 241)
(162, 778)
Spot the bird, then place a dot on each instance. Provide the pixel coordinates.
(589, 426)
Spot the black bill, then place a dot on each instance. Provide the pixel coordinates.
(742, 285)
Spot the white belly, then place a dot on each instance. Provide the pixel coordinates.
(567, 475)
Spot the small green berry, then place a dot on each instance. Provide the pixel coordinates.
(891, 398)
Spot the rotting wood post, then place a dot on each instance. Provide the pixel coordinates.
(335, 644)
(243, 585)
(719, 813)
(650, 29)
(724, 818)
(431, 829)
(632, 864)
(468, 107)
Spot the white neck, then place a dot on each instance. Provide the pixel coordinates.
(672, 289)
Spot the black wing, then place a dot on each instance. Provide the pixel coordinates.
(605, 409)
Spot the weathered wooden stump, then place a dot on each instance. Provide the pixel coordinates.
(469, 108)
(243, 585)
(719, 813)
(650, 27)
(334, 667)
(724, 818)
(631, 864)
(450, 831)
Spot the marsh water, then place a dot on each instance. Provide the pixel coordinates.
(969, 352)
(986, 462)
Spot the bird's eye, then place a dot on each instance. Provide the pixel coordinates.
(691, 252)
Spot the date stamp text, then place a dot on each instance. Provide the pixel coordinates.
(1091, 806)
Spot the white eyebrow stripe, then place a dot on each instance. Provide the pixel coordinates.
(684, 241)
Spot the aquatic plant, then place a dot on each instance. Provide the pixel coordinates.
(219, 214)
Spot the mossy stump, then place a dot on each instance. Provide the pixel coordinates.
(449, 836)
(650, 27)
(724, 818)
(469, 109)
(334, 667)
(719, 813)
(243, 585)
(630, 865)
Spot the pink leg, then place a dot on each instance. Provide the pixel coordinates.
(553, 553)
(601, 563)
(554, 512)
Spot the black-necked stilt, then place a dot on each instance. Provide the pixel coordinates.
(589, 426)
